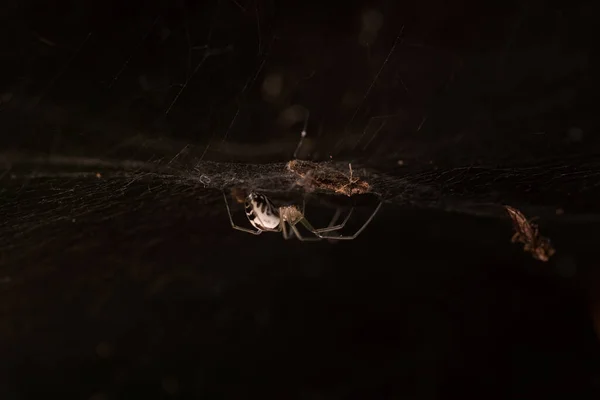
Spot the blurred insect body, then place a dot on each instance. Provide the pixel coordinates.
(527, 233)
(265, 217)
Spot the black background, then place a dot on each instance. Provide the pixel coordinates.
(122, 278)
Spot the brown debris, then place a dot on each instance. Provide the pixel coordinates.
(239, 195)
(527, 233)
(314, 176)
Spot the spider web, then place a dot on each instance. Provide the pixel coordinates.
(38, 193)
(382, 100)
(119, 136)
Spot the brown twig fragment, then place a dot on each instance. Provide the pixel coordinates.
(314, 176)
(527, 233)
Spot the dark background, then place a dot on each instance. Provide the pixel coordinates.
(122, 122)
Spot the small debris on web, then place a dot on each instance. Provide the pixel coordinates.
(527, 233)
(205, 180)
(313, 176)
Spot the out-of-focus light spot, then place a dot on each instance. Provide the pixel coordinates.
(170, 385)
(144, 84)
(575, 134)
(560, 211)
(350, 99)
(5, 97)
(104, 350)
(46, 41)
(272, 87)
(98, 396)
(164, 34)
(566, 267)
(98, 175)
(291, 115)
(372, 21)
(400, 162)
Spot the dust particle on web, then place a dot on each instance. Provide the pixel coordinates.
(205, 180)
(314, 176)
(528, 234)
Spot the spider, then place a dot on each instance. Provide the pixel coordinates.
(265, 217)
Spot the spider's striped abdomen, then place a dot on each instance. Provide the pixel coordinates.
(261, 213)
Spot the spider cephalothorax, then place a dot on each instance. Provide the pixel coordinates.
(265, 217)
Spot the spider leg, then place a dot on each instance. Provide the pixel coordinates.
(332, 227)
(286, 234)
(233, 225)
(335, 218)
(351, 237)
(247, 230)
(302, 238)
(303, 204)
